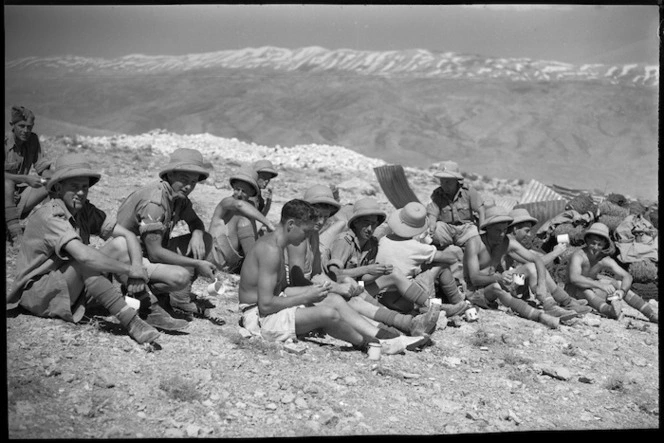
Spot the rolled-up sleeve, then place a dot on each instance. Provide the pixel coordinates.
(340, 252)
(151, 218)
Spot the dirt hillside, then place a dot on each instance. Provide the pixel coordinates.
(500, 374)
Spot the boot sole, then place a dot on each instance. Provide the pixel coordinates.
(419, 344)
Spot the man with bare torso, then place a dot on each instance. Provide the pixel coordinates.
(603, 293)
(281, 312)
(489, 278)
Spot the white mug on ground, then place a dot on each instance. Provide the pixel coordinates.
(471, 315)
(217, 288)
(374, 351)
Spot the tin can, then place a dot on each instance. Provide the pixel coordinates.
(374, 351)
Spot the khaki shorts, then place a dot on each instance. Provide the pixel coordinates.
(249, 318)
(279, 326)
(446, 234)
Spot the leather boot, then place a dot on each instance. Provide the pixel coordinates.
(579, 308)
(548, 320)
(563, 314)
(426, 323)
(140, 331)
(158, 317)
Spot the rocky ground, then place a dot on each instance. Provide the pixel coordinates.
(500, 374)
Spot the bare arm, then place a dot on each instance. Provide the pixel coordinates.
(34, 181)
(620, 273)
(523, 254)
(158, 254)
(448, 256)
(93, 259)
(230, 206)
(135, 256)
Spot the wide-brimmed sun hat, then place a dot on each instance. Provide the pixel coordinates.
(521, 215)
(599, 229)
(246, 175)
(265, 166)
(495, 214)
(366, 206)
(186, 160)
(448, 169)
(71, 166)
(409, 221)
(321, 194)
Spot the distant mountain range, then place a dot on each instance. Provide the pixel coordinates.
(587, 126)
(412, 63)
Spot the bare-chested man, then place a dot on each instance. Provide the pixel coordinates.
(603, 293)
(280, 312)
(489, 279)
(233, 225)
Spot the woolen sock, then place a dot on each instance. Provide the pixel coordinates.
(561, 296)
(126, 315)
(385, 333)
(394, 318)
(372, 288)
(638, 303)
(182, 296)
(416, 294)
(449, 287)
(103, 292)
(522, 308)
(547, 301)
(11, 219)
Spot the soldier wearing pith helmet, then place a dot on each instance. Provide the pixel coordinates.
(59, 273)
(455, 209)
(152, 211)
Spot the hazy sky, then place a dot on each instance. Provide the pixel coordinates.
(574, 34)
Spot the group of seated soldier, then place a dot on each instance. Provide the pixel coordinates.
(323, 267)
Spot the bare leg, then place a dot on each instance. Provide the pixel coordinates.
(349, 315)
(164, 277)
(328, 318)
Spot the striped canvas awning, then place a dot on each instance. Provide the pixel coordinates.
(536, 192)
(570, 193)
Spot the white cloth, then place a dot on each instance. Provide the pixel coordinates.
(408, 256)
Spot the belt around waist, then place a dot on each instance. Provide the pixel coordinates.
(248, 307)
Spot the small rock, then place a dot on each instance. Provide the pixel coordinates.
(141, 415)
(173, 433)
(558, 340)
(557, 372)
(350, 380)
(509, 340)
(587, 380)
(68, 377)
(512, 416)
(192, 430)
(288, 398)
(638, 361)
(451, 361)
(592, 320)
(104, 382)
(271, 406)
(301, 403)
